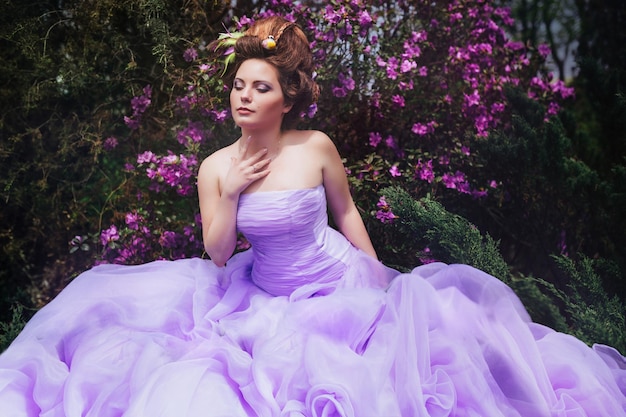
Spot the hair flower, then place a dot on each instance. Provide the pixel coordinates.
(269, 43)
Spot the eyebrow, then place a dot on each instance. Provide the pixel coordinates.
(255, 81)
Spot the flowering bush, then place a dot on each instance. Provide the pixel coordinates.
(409, 87)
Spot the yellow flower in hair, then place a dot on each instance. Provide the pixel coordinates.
(269, 43)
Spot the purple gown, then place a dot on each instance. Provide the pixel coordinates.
(302, 324)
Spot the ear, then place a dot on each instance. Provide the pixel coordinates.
(287, 108)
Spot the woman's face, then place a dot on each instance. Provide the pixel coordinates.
(256, 99)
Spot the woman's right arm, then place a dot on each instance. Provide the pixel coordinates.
(219, 198)
(219, 214)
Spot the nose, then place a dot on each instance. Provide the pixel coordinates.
(245, 95)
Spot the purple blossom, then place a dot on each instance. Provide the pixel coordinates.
(146, 158)
(544, 50)
(426, 258)
(311, 111)
(455, 16)
(553, 108)
(193, 133)
(390, 141)
(139, 105)
(392, 68)
(384, 213)
(333, 16)
(482, 193)
(365, 20)
(110, 143)
(456, 181)
(109, 235)
(219, 116)
(174, 171)
(424, 129)
(398, 100)
(244, 21)
(449, 180)
(406, 86)
(375, 138)
(339, 92)
(514, 45)
(131, 123)
(190, 54)
(168, 239)
(424, 171)
(394, 171)
(407, 65)
(346, 82)
(497, 107)
(133, 219)
(472, 99)
(419, 129)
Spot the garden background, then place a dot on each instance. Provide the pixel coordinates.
(491, 133)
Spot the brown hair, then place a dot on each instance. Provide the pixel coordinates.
(292, 58)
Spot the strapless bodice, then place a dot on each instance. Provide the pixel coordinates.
(292, 243)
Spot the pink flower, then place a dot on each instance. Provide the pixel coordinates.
(190, 54)
(425, 171)
(419, 129)
(375, 139)
(544, 50)
(384, 213)
(146, 158)
(407, 65)
(365, 19)
(472, 99)
(109, 235)
(394, 171)
(133, 219)
(398, 100)
(110, 143)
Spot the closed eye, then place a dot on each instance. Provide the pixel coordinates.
(260, 86)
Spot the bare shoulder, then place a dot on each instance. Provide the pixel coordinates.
(313, 140)
(217, 159)
(215, 166)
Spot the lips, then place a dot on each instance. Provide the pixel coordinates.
(244, 110)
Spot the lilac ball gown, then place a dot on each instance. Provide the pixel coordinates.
(302, 324)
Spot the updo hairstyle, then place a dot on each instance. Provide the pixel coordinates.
(291, 56)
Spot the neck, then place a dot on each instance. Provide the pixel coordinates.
(269, 139)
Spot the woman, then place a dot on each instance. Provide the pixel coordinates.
(307, 322)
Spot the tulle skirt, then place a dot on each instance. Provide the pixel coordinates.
(186, 338)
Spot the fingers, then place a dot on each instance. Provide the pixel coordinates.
(244, 170)
(261, 166)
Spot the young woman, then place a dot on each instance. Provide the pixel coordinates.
(307, 322)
